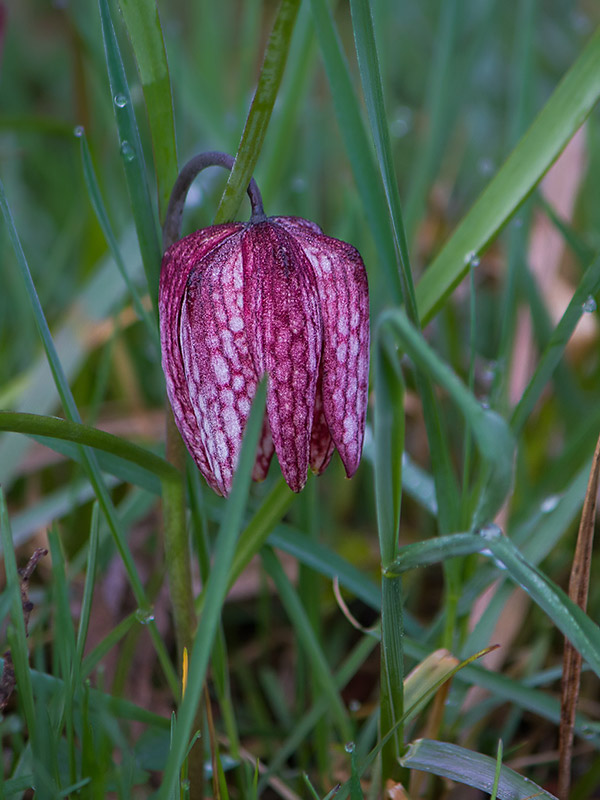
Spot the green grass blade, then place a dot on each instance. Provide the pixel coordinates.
(270, 512)
(392, 708)
(20, 654)
(554, 126)
(581, 631)
(132, 155)
(143, 25)
(358, 146)
(327, 562)
(492, 435)
(438, 102)
(389, 448)
(432, 551)
(589, 286)
(260, 111)
(88, 457)
(368, 61)
(54, 427)
(306, 723)
(467, 767)
(215, 593)
(91, 661)
(90, 578)
(308, 640)
(95, 195)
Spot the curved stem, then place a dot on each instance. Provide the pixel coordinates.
(212, 158)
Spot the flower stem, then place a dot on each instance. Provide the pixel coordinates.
(212, 158)
(260, 111)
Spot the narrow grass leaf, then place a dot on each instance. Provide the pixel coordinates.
(554, 126)
(90, 463)
(91, 661)
(368, 61)
(358, 146)
(90, 579)
(389, 447)
(260, 111)
(91, 182)
(307, 722)
(498, 771)
(327, 562)
(439, 101)
(307, 638)
(132, 155)
(470, 768)
(19, 650)
(269, 514)
(144, 29)
(215, 593)
(392, 706)
(433, 551)
(73, 431)
(493, 437)
(589, 286)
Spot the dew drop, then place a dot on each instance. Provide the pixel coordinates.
(354, 706)
(299, 184)
(472, 259)
(127, 151)
(589, 732)
(144, 615)
(120, 100)
(349, 747)
(590, 305)
(485, 166)
(402, 123)
(185, 784)
(491, 532)
(78, 131)
(550, 503)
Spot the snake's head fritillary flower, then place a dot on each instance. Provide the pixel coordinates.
(273, 297)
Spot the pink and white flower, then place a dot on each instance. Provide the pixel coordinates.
(273, 297)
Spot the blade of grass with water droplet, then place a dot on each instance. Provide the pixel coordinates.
(88, 456)
(133, 156)
(470, 768)
(93, 188)
(588, 287)
(144, 29)
(563, 114)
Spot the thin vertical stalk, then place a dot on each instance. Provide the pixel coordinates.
(260, 110)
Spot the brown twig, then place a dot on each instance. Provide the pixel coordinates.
(7, 682)
(578, 593)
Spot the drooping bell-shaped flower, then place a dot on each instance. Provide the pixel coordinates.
(273, 297)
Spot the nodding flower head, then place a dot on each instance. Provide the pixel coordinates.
(272, 297)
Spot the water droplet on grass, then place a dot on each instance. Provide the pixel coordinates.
(472, 259)
(590, 305)
(349, 747)
(78, 131)
(550, 503)
(491, 532)
(144, 615)
(120, 100)
(127, 151)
